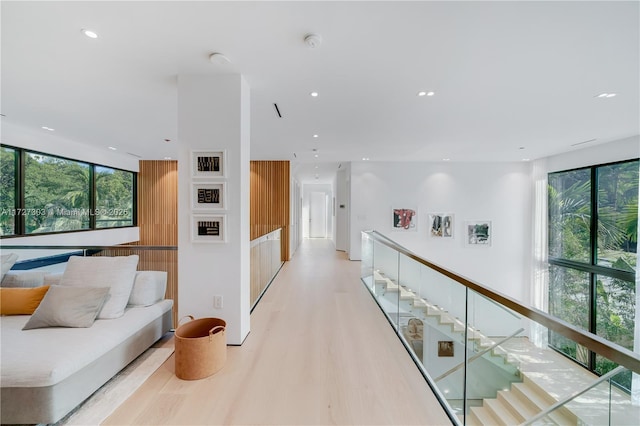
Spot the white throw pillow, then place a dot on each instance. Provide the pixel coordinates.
(6, 262)
(148, 288)
(116, 272)
(23, 279)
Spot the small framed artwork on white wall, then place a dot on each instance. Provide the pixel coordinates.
(478, 233)
(441, 225)
(208, 228)
(208, 196)
(208, 164)
(404, 219)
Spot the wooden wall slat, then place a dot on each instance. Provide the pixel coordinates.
(269, 204)
(158, 221)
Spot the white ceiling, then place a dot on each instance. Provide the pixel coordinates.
(512, 80)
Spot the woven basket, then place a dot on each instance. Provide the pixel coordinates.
(201, 348)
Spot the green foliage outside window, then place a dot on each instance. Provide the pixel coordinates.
(114, 197)
(573, 278)
(58, 195)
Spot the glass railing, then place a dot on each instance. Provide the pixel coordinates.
(52, 259)
(486, 355)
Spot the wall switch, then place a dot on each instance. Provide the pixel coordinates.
(217, 302)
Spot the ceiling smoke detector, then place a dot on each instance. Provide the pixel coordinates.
(218, 59)
(313, 40)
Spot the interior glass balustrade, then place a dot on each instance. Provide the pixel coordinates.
(486, 356)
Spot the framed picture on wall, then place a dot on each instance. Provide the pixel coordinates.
(208, 164)
(404, 219)
(208, 228)
(208, 196)
(441, 225)
(478, 233)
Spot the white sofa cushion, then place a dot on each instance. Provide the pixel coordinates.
(6, 262)
(23, 279)
(116, 272)
(68, 307)
(148, 288)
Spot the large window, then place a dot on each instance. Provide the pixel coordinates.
(43, 193)
(593, 237)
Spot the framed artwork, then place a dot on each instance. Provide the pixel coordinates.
(208, 196)
(441, 225)
(404, 219)
(208, 228)
(478, 233)
(445, 348)
(208, 164)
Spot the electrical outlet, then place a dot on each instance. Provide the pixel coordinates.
(217, 302)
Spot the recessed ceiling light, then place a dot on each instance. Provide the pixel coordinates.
(314, 94)
(315, 136)
(611, 95)
(89, 33)
(446, 159)
(113, 149)
(605, 95)
(316, 167)
(431, 93)
(167, 158)
(365, 158)
(422, 93)
(526, 159)
(48, 128)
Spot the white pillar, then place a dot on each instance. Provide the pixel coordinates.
(213, 115)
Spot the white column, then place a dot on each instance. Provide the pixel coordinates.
(213, 115)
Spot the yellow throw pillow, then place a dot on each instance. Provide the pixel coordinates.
(21, 301)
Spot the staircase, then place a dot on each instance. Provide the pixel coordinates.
(445, 322)
(521, 402)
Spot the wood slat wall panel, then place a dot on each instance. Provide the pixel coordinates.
(158, 221)
(269, 205)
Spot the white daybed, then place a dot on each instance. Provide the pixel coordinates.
(47, 372)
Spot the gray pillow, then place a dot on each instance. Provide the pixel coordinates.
(68, 307)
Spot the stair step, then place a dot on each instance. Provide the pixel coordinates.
(530, 391)
(518, 407)
(484, 416)
(501, 412)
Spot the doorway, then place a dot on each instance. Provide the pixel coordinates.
(318, 215)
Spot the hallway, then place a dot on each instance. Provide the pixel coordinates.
(320, 352)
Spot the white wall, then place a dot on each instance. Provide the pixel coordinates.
(342, 210)
(50, 143)
(624, 149)
(213, 114)
(295, 213)
(499, 192)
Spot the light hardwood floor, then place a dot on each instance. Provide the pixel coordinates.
(320, 352)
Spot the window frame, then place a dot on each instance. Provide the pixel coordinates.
(19, 220)
(592, 268)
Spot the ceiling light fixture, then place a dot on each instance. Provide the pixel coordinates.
(219, 59)
(113, 149)
(365, 158)
(446, 159)
(526, 159)
(422, 93)
(315, 136)
(314, 94)
(316, 155)
(48, 128)
(167, 158)
(431, 93)
(89, 33)
(605, 95)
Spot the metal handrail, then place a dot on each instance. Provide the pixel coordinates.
(478, 355)
(592, 342)
(574, 395)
